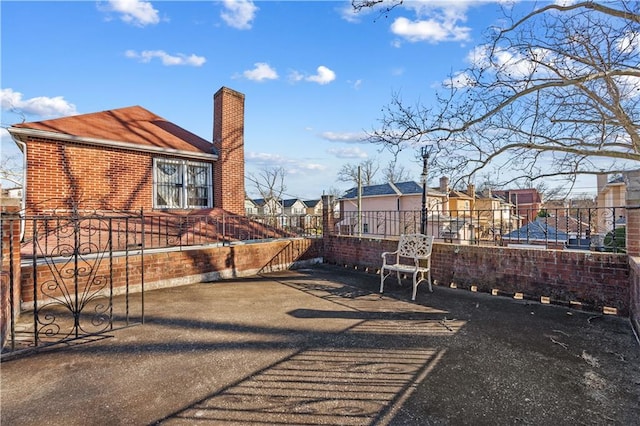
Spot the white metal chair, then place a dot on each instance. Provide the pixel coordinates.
(413, 256)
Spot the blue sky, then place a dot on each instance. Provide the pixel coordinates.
(314, 74)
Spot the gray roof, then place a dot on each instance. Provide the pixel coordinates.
(537, 231)
(290, 202)
(400, 188)
(410, 187)
(371, 191)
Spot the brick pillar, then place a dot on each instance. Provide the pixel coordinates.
(228, 140)
(632, 179)
(10, 270)
(328, 220)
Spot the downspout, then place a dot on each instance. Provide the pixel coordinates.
(23, 202)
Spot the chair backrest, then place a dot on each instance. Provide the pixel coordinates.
(415, 245)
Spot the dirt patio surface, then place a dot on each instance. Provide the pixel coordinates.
(321, 346)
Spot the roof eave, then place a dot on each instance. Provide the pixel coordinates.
(21, 133)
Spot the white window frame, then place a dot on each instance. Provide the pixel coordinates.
(183, 167)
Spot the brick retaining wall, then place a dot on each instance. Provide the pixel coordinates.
(581, 279)
(634, 263)
(173, 268)
(10, 230)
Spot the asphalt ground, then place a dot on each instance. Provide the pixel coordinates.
(322, 346)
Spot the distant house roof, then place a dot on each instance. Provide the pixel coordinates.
(311, 203)
(372, 191)
(131, 125)
(399, 188)
(616, 179)
(290, 202)
(521, 196)
(409, 187)
(458, 194)
(536, 230)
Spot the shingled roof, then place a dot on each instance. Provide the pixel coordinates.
(131, 125)
(537, 231)
(399, 188)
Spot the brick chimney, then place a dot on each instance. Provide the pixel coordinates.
(471, 190)
(228, 140)
(444, 184)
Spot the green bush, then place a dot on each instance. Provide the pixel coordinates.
(617, 244)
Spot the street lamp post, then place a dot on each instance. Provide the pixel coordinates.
(424, 152)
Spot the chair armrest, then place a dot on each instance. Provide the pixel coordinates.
(385, 253)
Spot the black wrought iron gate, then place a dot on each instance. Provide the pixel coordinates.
(82, 277)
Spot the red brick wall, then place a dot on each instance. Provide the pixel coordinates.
(595, 280)
(633, 242)
(634, 263)
(166, 269)
(59, 174)
(228, 139)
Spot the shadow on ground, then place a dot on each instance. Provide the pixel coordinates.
(320, 346)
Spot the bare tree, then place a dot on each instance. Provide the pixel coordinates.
(368, 170)
(11, 169)
(269, 183)
(395, 172)
(554, 93)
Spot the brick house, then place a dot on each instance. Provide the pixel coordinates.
(528, 202)
(131, 159)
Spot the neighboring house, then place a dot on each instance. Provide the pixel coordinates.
(402, 196)
(391, 209)
(610, 201)
(131, 159)
(527, 202)
(314, 207)
(250, 207)
(11, 197)
(269, 207)
(493, 215)
(460, 204)
(294, 207)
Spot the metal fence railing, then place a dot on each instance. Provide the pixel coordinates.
(50, 235)
(598, 229)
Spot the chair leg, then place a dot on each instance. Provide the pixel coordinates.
(429, 278)
(415, 285)
(381, 280)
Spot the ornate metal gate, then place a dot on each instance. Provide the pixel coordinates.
(82, 277)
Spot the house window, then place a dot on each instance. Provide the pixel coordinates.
(181, 184)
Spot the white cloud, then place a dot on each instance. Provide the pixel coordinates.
(356, 84)
(135, 12)
(167, 59)
(295, 76)
(41, 106)
(429, 30)
(350, 137)
(459, 80)
(349, 14)
(292, 166)
(261, 71)
(348, 152)
(324, 76)
(239, 13)
(630, 43)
